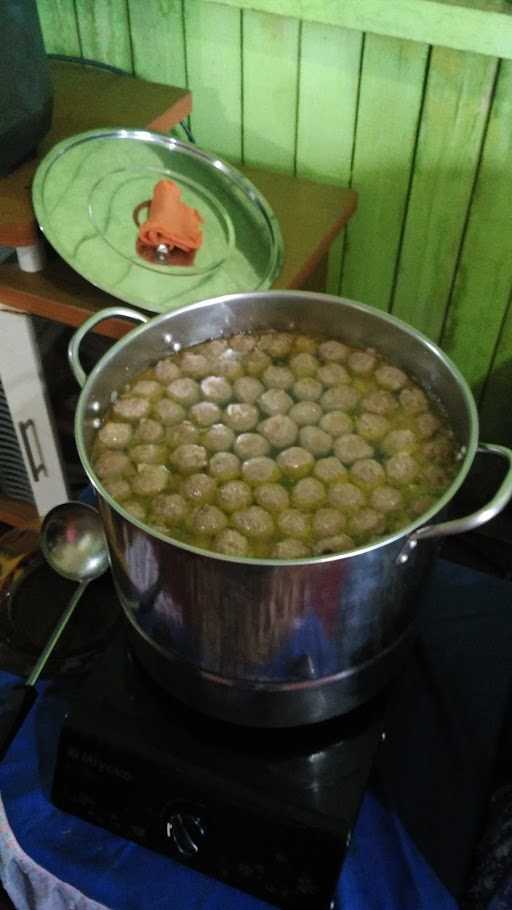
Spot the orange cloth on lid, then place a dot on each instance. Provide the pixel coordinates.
(171, 221)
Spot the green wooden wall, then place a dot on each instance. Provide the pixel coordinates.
(423, 133)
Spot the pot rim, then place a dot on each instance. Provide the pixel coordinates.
(466, 452)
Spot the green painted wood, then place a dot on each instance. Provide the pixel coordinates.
(59, 27)
(105, 33)
(158, 40)
(390, 99)
(270, 84)
(484, 26)
(495, 410)
(213, 34)
(453, 120)
(484, 277)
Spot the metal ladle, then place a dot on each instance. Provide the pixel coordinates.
(73, 543)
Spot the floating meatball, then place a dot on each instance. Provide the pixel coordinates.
(413, 400)
(208, 520)
(251, 445)
(217, 389)
(229, 365)
(189, 458)
(167, 370)
(333, 351)
(346, 496)
(391, 378)
(149, 453)
(213, 349)
(199, 488)
(256, 362)
(182, 433)
(242, 343)
(276, 377)
(386, 499)
(272, 497)
(366, 522)
(368, 472)
(231, 543)
(401, 468)
(337, 423)
(275, 401)
(185, 391)
(169, 508)
(426, 425)
(255, 522)
(399, 441)
(280, 430)
(339, 398)
(315, 440)
(362, 363)
(119, 488)
(304, 344)
(436, 477)
(295, 462)
(328, 522)
(241, 417)
(276, 344)
(115, 435)
(290, 549)
(304, 365)
(333, 374)
(136, 508)
(147, 388)
(150, 480)
(248, 389)
(351, 447)
(372, 427)
(308, 493)
(440, 448)
(168, 412)
(148, 430)
(294, 523)
(380, 402)
(234, 495)
(205, 413)
(218, 438)
(131, 408)
(338, 544)
(224, 466)
(307, 389)
(112, 463)
(260, 470)
(329, 470)
(194, 365)
(305, 413)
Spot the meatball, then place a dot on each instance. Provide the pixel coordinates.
(213, 349)
(119, 488)
(338, 544)
(399, 441)
(333, 374)
(256, 362)
(150, 480)
(149, 430)
(337, 423)
(189, 458)
(290, 549)
(366, 523)
(229, 364)
(205, 413)
(241, 417)
(251, 445)
(295, 462)
(182, 433)
(390, 378)
(304, 364)
(218, 438)
(315, 440)
(368, 472)
(440, 448)
(280, 430)
(199, 488)
(147, 388)
(112, 463)
(351, 447)
(260, 470)
(255, 522)
(294, 523)
(248, 389)
(224, 466)
(166, 370)
(308, 493)
(413, 400)
(372, 427)
(386, 499)
(401, 468)
(346, 496)
(115, 435)
(217, 389)
(231, 543)
(339, 398)
(168, 412)
(334, 351)
(272, 497)
(303, 344)
(136, 508)
(194, 364)
(275, 401)
(242, 343)
(362, 363)
(168, 508)
(380, 402)
(276, 377)
(208, 520)
(329, 470)
(305, 413)
(184, 390)
(277, 344)
(149, 453)
(131, 408)
(234, 495)
(328, 522)
(427, 424)
(307, 389)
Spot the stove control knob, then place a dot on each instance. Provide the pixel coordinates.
(186, 831)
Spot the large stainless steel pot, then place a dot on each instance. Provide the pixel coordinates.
(261, 642)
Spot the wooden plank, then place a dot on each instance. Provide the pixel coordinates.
(157, 37)
(104, 32)
(495, 410)
(484, 278)
(270, 83)
(454, 117)
(390, 99)
(59, 27)
(213, 37)
(484, 26)
(19, 514)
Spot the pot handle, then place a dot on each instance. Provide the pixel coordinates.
(74, 345)
(469, 522)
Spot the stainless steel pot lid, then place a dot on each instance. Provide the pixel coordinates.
(88, 187)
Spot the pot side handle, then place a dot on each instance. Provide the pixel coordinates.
(74, 345)
(476, 519)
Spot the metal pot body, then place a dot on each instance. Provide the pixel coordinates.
(261, 642)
